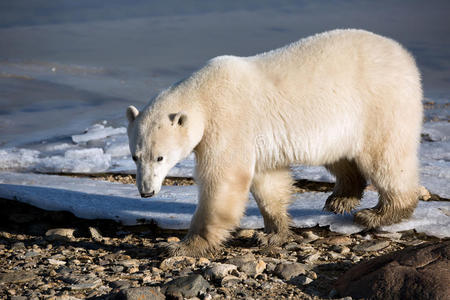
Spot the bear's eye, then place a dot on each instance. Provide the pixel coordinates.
(134, 157)
(160, 158)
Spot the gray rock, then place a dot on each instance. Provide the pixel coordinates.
(188, 286)
(289, 270)
(63, 270)
(87, 285)
(239, 261)
(17, 277)
(31, 254)
(17, 246)
(253, 268)
(270, 267)
(82, 282)
(301, 280)
(117, 269)
(369, 246)
(120, 284)
(311, 258)
(248, 264)
(59, 234)
(140, 293)
(217, 271)
(292, 246)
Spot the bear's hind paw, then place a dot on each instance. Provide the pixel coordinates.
(375, 217)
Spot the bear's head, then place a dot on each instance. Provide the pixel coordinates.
(157, 140)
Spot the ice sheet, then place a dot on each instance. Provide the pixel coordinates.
(174, 205)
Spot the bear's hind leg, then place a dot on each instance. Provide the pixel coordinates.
(221, 205)
(397, 184)
(272, 191)
(349, 187)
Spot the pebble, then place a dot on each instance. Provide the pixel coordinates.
(188, 286)
(140, 293)
(339, 240)
(217, 271)
(177, 262)
(31, 254)
(230, 280)
(86, 285)
(372, 245)
(301, 280)
(287, 271)
(56, 262)
(312, 258)
(59, 234)
(18, 246)
(292, 246)
(389, 235)
(239, 261)
(95, 234)
(310, 236)
(120, 284)
(253, 268)
(173, 239)
(341, 249)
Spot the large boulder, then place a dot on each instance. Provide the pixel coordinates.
(420, 272)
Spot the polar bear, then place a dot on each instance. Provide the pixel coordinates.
(346, 99)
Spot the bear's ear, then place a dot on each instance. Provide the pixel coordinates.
(132, 113)
(178, 118)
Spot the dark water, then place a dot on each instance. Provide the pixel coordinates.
(67, 64)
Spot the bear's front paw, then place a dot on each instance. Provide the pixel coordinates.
(272, 239)
(340, 205)
(193, 247)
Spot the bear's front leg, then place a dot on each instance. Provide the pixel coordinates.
(221, 205)
(272, 191)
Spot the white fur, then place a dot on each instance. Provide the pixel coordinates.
(346, 99)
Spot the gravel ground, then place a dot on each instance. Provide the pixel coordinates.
(54, 255)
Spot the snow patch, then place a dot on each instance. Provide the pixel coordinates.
(18, 159)
(97, 132)
(437, 131)
(92, 160)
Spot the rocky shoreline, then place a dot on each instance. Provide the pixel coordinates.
(55, 255)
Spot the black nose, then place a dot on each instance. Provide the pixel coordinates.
(147, 195)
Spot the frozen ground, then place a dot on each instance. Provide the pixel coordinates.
(174, 205)
(103, 148)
